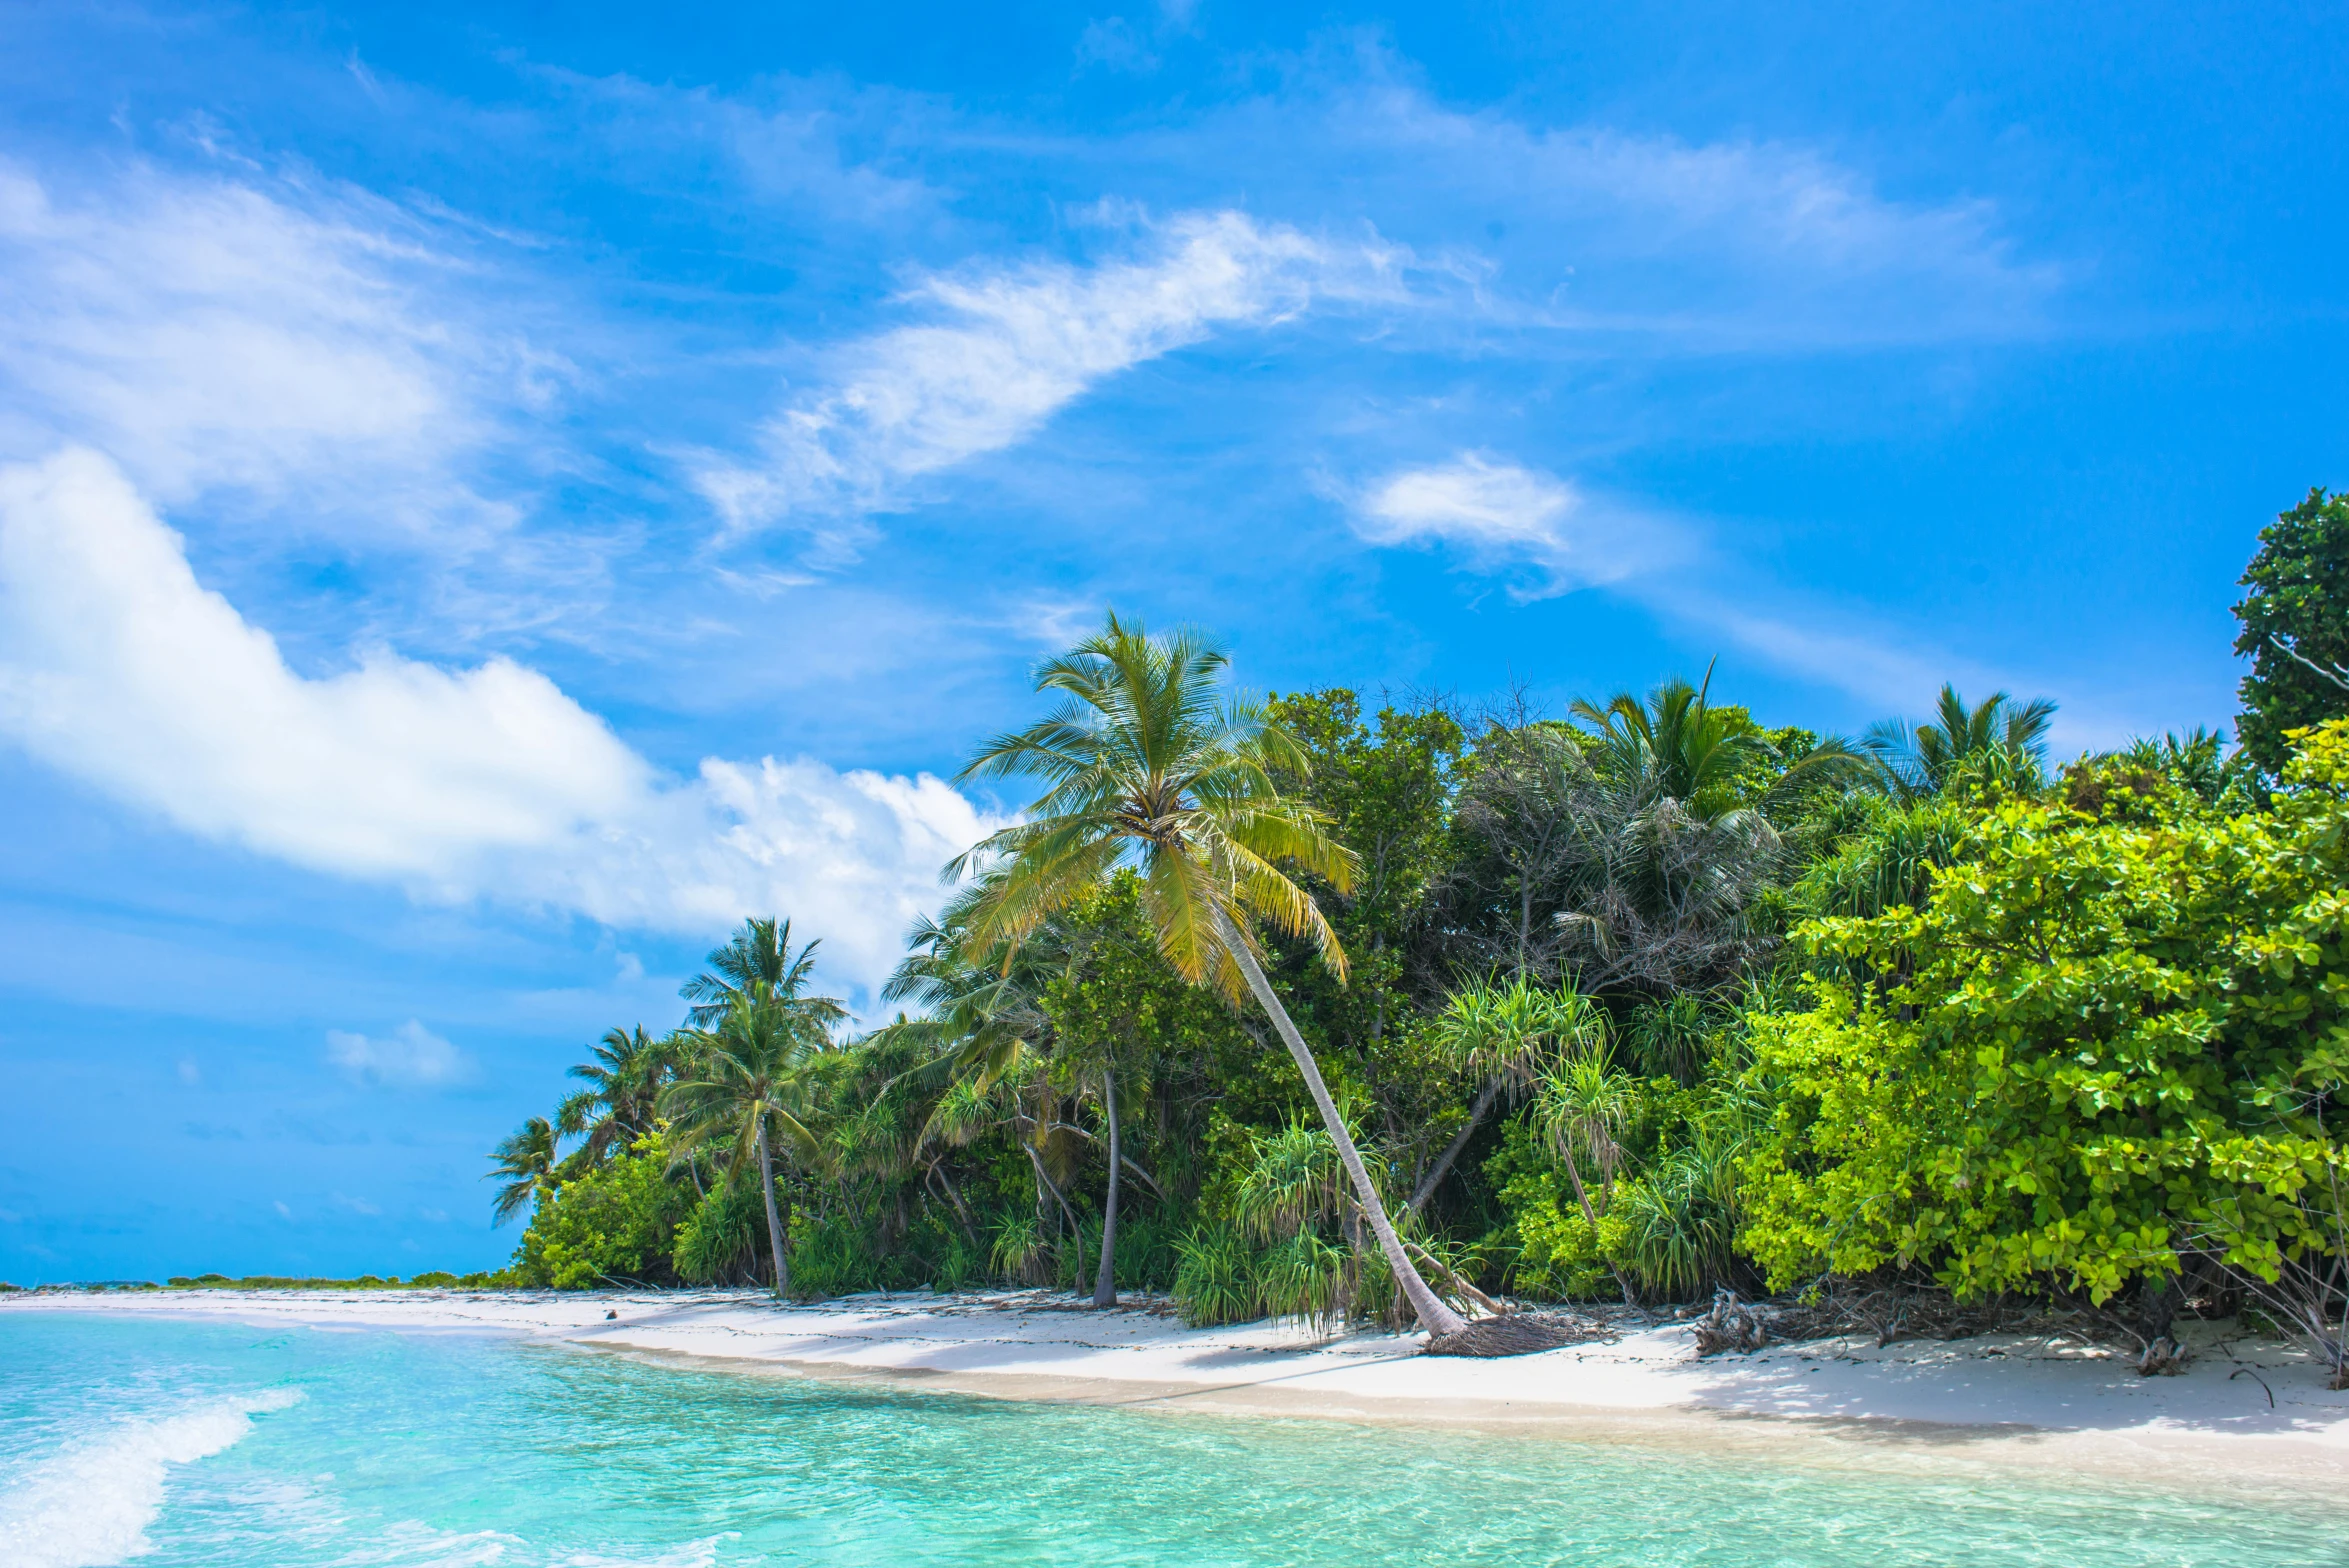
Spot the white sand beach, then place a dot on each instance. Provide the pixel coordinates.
(1993, 1400)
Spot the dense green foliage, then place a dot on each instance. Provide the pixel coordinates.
(1637, 1004)
(612, 1225)
(2097, 1046)
(2295, 616)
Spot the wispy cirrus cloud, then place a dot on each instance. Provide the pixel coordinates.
(1009, 346)
(208, 332)
(1641, 241)
(1542, 536)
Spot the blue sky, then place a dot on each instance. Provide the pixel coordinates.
(490, 494)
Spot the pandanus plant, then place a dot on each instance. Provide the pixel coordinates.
(1146, 762)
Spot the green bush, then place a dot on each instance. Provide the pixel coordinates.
(1559, 1254)
(615, 1225)
(2100, 1042)
(723, 1241)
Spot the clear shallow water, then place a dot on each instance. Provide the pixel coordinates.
(190, 1443)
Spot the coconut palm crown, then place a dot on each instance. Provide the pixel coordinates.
(1147, 763)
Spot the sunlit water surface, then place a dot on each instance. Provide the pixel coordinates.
(174, 1443)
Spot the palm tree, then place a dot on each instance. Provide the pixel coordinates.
(527, 1162)
(756, 1030)
(620, 1102)
(1631, 847)
(1677, 746)
(757, 963)
(2005, 739)
(984, 1002)
(1147, 763)
(745, 1077)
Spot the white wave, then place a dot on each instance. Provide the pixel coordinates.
(90, 1506)
(411, 1543)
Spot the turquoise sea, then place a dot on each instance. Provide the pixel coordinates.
(174, 1442)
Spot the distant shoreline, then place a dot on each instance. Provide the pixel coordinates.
(1995, 1401)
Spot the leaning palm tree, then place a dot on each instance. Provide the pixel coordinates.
(1147, 763)
(527, 1162)
(2004, 738)
(745, 1083)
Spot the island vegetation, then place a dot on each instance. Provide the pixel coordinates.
(1341, 1007)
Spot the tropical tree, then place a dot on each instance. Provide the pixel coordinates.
(2295, 618)
(1631, 847)
(757, 1032)
(743, 1085)
(1712, 761)
(1507, 1035)
(1997, 740)
(526, 1161)
(1581, 1107)
(619, 1104)
(993, 1036)
(1146, 762)
(758, 963)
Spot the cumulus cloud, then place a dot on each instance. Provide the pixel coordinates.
(410, 1057)
(1498, 514)
(1010, 347)
(118, 667)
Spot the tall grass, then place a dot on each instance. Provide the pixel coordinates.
(1215, 1277)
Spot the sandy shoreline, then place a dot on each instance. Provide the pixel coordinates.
(1996, 1401)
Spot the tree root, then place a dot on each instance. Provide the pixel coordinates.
(1518, 1334)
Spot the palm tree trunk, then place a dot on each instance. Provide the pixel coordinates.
(1434, 1178)
(1105, 1281)
(774, 1220)
(1434, 1316)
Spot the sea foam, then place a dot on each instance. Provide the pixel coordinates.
(89, 1506)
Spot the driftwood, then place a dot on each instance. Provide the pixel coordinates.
(1731, 1325)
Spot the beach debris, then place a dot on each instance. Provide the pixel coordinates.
(1731, 1325)
(609, 1316)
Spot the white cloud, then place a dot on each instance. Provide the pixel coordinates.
(1501, 515)
(1011, 348)
(206, 333)
(1737, 240)
(410, 1057)
(1495, 513)
(118, 667)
